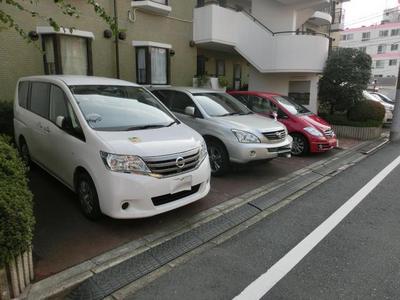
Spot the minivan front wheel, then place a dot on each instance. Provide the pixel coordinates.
(219, 158)
(88, 197)
(300, 144)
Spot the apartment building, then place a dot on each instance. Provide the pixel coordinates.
(270, 45)
(382, 43)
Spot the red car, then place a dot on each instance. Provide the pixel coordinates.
(310, 133)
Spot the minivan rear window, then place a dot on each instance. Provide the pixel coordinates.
(121, 108)
(40, 98)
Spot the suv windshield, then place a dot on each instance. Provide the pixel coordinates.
(120, 108)
(221, 104)
(291, 106)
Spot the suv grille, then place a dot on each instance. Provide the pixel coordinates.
(329, 132)
(173, 164)
(275, 135)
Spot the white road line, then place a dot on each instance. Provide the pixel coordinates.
(266, 281)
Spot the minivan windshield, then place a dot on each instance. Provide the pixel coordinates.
(120, 108)
(291, 106)
(221, 104)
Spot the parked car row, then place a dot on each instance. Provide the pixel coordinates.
(385, 101)
(129, 155)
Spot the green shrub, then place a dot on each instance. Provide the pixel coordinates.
(16, 211)
(6, 118)
(341, 119)
(364, 111)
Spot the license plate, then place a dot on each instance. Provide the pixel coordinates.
(181, 184)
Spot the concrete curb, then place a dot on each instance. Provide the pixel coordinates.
(234, 212)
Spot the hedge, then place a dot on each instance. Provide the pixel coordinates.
(16, 207)
(343, 121)
(6, 118)
(365, 111)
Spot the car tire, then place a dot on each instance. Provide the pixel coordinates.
(219, 158)
(24, 152)
(300, 145)
(88, 198)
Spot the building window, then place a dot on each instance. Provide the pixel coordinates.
(380, 64)
(381, 49)
(378, 75)
(383, 33)
(152, 65)
(164, 2)
(220, 67)
(395, 32)
(363, 49)
(67, 54)
(392, 62)
(394, 47)
(300, 91)
(366, 36)
(347, 37)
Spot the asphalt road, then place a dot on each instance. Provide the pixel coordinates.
(358, 259)
(64, 237)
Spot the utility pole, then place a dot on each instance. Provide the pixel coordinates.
(116, 40)
(395, 128)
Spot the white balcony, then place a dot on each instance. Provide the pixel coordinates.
(220, 28)
(320, 18)
(152, 6)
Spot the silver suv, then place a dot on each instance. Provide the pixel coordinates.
(233, 133)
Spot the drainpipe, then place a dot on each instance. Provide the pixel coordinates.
(333, 9)
(116, 39)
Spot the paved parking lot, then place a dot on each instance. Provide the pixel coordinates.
(63, 237)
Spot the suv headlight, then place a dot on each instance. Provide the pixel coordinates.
(203, 151)
(313, 131)
(245, 137)
(124, 163)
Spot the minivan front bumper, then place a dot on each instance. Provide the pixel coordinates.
(244, 153)
(130, 196)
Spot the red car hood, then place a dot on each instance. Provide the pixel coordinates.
(315, 121)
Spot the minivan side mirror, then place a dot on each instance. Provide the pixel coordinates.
(190, 111)
(64, 123)
(59, 121)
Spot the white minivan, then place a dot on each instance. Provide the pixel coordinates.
(112, 142)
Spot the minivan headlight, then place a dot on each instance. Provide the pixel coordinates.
(245, 137)
(203, 150)
(124, 163)
(313, 131)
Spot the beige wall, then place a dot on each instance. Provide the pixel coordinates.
(230, 60)
(17, 58)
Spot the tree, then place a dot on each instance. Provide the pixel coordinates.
(66, 8)
(346, 75)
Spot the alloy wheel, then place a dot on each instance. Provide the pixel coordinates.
(298, 145)
(216, 159)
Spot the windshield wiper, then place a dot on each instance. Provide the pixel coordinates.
(144, 127)
(229, 114)
(172, 123)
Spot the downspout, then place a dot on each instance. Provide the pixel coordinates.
(333, 15)
(116, 40)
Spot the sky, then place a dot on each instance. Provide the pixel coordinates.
(365, 12)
